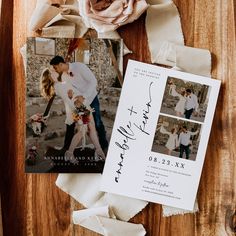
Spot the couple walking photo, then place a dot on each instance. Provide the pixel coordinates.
(73, 88)
(185, 99)
(177, 138)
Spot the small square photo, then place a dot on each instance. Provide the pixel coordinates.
(177, 137)
(185, 99)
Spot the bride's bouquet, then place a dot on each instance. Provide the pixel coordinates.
(81, 115)
(81, 112)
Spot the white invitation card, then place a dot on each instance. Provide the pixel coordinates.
(160, 135)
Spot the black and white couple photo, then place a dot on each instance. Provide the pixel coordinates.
(185, 99)
(175, 137)
(73, 88)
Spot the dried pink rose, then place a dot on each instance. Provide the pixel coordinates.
(108, 15)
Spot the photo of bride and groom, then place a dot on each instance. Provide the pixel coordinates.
(175, 137)
(72, 91)
(185, 99)
(76, 85)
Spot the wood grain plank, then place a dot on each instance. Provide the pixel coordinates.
(12, 211)
(42, 209)
(216, 194)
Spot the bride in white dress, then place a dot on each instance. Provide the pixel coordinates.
(173, 141)
(180, 106)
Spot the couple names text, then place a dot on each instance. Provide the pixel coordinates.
(128, 131)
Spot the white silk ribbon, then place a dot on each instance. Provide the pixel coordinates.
(85, 189)
(162, 24)
(102, 220)
(192, 60)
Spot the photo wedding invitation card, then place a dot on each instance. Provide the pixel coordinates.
(160, 135)
(72, 92)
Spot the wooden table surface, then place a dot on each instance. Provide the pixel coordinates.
(33, 205)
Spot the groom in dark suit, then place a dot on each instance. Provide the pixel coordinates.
(83, 80)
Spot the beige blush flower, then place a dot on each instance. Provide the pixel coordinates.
(108, 15)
